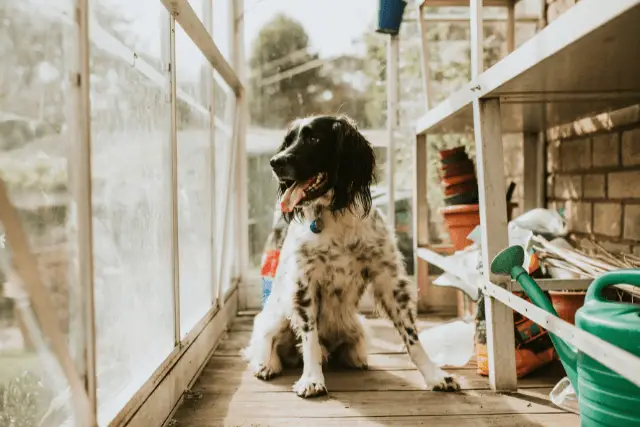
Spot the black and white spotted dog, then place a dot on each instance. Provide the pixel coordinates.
(335, 246)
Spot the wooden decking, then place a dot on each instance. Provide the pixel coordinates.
(389, 393)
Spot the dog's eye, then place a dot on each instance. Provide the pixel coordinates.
(315, 140)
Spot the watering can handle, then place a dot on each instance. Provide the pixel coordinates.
(627, 277)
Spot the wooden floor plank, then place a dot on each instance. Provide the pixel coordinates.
(501, 420)
(367, 404)
(390, 393)
(245, 323)
(377, 362)
(384, 341)
(383, 337)
(232, 374)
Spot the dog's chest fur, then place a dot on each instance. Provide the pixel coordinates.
(338, 263)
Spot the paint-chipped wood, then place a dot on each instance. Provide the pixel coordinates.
(384, 339)
(377, 362)
(493, 222)
(234, 378)
(389, 393)
(503, 420)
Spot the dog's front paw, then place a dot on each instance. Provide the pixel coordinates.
(443, 381)
(266, 372)
(310, 387)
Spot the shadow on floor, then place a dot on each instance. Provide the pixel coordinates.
(389, 394)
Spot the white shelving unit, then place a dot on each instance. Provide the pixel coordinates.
(585, 63)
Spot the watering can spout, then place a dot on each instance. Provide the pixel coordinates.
(509, 262)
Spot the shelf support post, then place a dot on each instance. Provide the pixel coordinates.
(424, 50)
(533, 170)
(420, 213)
(511, 26)
(493, 221)
(393, 53)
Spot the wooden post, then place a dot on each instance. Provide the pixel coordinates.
(241, 203)
(424, 51)
(530, 142)
(511, 26)
(493, 220)
(210, 86)
(79, 114)
(393, 48)
(476, 37)
(420, 215)
(175, 238)
(541, 170)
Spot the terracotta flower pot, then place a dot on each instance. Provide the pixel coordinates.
(460, 221)
(466, 198)
(445, 154)
(458, 169)
(459, 179)
(456, 158)
(463, 187)
(567, 303)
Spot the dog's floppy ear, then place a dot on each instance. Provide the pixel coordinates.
(355, 169)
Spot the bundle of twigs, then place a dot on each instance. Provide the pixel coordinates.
(591, 262)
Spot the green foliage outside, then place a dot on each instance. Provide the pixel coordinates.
(282, 45)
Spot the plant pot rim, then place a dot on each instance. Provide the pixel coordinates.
(457, 179)
(450, 151)
(567, 292)
(454, 209)
(454, 159)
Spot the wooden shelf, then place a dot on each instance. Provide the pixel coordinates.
(584, 63)
(463, 3)
(443, 263)
(557, 284)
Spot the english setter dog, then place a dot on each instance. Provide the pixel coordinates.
(335, 246)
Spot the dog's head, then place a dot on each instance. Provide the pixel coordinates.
(325, 159)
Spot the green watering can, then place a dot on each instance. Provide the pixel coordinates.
(604, 397)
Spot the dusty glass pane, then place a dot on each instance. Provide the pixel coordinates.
(131, 163)
(222, 27)
(225, 105)
(35, 42)
(195, 181)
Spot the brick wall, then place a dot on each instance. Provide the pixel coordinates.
(593, 171)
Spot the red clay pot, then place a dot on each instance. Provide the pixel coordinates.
(460, 221)
(463, 187)
(458, 157)
(458, 179)
(567, 303)
(445, 154)
(458, 169)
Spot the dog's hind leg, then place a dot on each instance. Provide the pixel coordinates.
(397, 297)
(261, 353)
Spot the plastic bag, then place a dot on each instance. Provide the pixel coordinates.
(564, 396)
(449, 344)
(543, 221)
(467, 260)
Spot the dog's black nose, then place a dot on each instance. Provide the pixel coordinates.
(279, 161)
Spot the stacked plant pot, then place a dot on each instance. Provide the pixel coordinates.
(461, 213)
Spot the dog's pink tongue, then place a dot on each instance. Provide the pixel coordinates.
(294, 195)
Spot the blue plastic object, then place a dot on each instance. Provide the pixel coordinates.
(390, 16)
